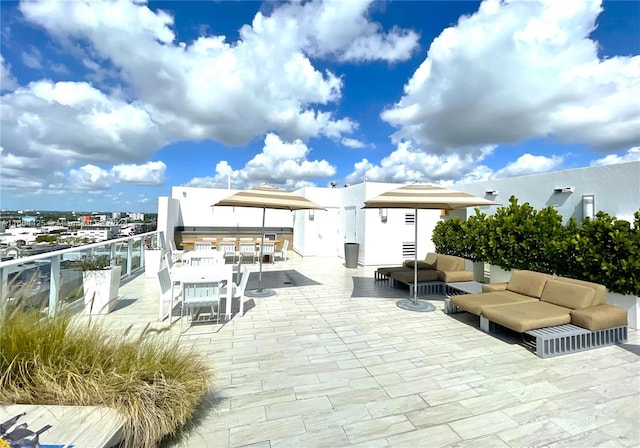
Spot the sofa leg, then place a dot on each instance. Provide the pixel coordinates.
(486, 325)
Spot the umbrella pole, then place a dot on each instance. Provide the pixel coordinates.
(264, 211)
(261, 292)
(415, 258)
(415, 304)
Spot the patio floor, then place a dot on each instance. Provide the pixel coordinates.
(330, 361)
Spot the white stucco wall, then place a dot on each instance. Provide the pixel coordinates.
(616, 189)
(196, 210)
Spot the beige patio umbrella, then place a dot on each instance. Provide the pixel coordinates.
(264, 197)
(423, 196)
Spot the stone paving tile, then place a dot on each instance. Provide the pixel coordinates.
(298, 407)
(328, 365)
(492, 441)
(392, 406)
(533, 434)
(330, 437)
(376, 428)
(575, 422)
(482, 425)
(265, 431)
(589, 439)
(435, 436)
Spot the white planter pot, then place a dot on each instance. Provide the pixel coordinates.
(152, 259)
(629, 303)
(498, 275)
(101, 290)
(478, 271)
(477, 267)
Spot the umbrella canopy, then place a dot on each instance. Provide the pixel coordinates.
(267, 196)
(264, 197)
(424, 196)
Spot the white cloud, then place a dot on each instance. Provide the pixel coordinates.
(53, 126)
(631, 155)
(520, 70)
(208, 88)
(529, 164)
(353, 143)
(150, 173)
(407, 163)
(32, 58)
(7, 81)
(90, 177)
(337, 28)
(281, 164)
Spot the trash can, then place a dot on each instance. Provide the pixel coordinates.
(351, 251)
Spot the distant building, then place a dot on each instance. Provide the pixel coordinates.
(116, 215)
(136, 216)
(99, 233)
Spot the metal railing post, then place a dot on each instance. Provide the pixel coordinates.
(54, 285)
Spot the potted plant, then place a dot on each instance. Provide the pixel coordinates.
(101, 282)
(152, 257)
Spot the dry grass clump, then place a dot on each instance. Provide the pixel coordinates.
(155, 383)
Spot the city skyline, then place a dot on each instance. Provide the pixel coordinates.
(105, 106)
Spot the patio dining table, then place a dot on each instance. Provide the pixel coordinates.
(203, 274)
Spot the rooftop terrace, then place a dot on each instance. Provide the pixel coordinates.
(331, 361)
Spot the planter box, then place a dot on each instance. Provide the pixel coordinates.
(152, 259)
(101, 290)
(629, 303)
(478, 271)
(498, 275)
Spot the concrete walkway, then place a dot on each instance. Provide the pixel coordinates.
(335, 363)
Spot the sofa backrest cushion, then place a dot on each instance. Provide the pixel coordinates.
(528, 283)
(600, 291)
(421, 264)
(568, 295)
(431, 259)
(449, 263)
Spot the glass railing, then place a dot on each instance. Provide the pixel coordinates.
(52, 281)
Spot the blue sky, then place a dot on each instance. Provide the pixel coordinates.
(105, 106)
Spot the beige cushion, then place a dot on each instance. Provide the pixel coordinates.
(528, 283)
(449, 263)
(431, 259)
(491, 287)
(600, 290)
(455, 276)
(522, 317)
(407, 275)
(421, 264)
(599, 317)
(568, 295)
(389, 269)
(477, 303)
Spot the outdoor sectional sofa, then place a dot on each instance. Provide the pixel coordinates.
(435, 267)
(563, 315)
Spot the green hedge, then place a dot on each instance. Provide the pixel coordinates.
(603, 250)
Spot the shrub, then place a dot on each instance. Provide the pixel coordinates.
(154, 383)
(447, 236)
(607, 251)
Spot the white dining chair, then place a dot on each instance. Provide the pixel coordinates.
(247, 250)
(282, 253)
(198, 295)
(228, 248)
(175, 253)
(269, 250)
(202, 245)
(239, 286)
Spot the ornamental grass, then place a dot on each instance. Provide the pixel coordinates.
(154, 382)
